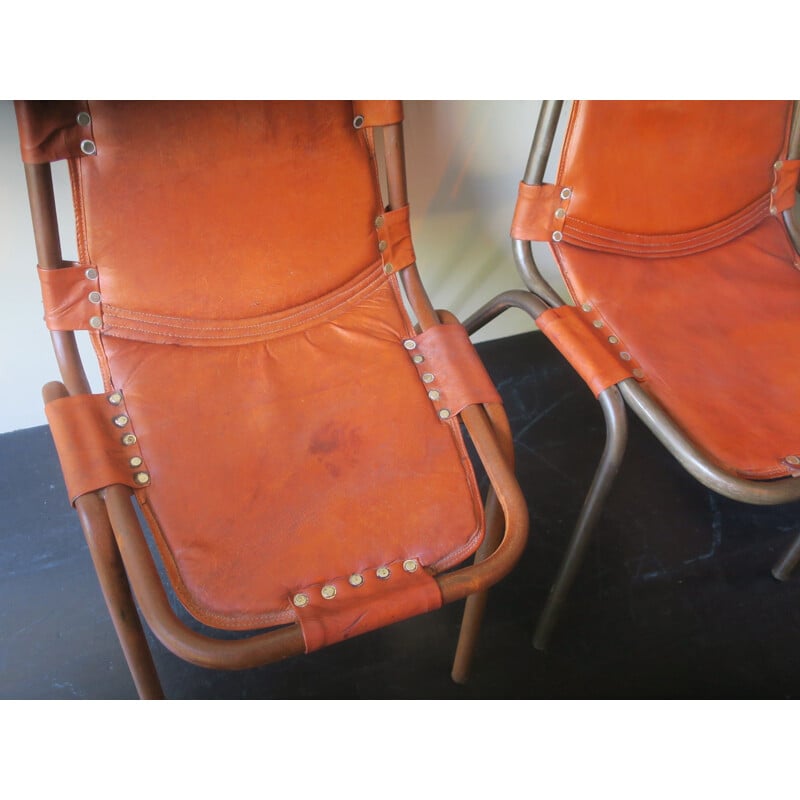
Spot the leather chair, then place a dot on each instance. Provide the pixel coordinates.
(672, 226)
(280, 398)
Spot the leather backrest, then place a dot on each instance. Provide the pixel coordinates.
(669, 167)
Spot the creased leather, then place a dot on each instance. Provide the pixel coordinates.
(49, 130)
(65, 294)
(90, 446)
(372, 605)
(456, 373)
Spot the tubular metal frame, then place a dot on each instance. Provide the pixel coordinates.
(628, 392)
(117, 544)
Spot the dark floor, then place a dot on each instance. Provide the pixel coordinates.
(675, 599)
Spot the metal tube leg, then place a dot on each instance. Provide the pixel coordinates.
(117, 594)
(476, 603)
(616, 438)
(788, 561)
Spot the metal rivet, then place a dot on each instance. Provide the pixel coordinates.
(91, 274)
(566, 194)
(136, 461)
(794, 460)
(778, 165)
(96, 322)
(638, 373)
(88, 147)
(557, 236)
(115, 398)
(94, 297)
(410, 565)
(428, 377)
(355, 579)
(378, 221)
(773, 190)
(444, 413)
(383, 573)
(121, 421)
(382, 245)
(358, 122)
(83, 118)
(625, 356)
(613, 340)
(433, 394)
(388, 268)
(418, 359)
(328, 591)
(773, 211)
(586, 307)
(409, 344)
(128, 439)
(598, 323)
(141, 478)
(300, 600)
(560, 213)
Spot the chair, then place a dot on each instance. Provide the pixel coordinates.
(670, 224)
(280, 397)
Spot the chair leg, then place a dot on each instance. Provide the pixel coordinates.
(116, 591)
(476, 603)
(616, 438)
(788, 561)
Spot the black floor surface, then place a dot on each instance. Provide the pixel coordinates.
(675, 598)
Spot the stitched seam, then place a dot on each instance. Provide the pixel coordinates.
(265, 328)
(328, 302)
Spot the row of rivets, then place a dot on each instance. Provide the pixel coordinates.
(624, 355)
(328, 591)
(94, 296)
(427, 377)
(121, 420)
(388, 268)
(87, 145)
(560, 213)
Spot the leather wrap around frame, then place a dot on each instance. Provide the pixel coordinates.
(288, 436)
(665, 221)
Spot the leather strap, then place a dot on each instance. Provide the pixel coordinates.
(96, 444)
(70, 296)
(50, 130)
(537, 215)
(394, 240)
(451, 370)
(589, 351)
(337, 610)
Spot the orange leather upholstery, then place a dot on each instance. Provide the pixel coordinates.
(288, 437)
(673, 238)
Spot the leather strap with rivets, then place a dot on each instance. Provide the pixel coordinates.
(51, 130)
(375, 113)
(394, 240)
(71, 297)
(96, 444)
(450, 369)
(366, 600)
